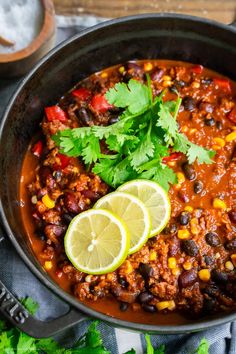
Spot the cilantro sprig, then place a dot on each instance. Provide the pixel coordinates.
(147, 129)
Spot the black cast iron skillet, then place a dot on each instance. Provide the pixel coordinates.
(164, 36)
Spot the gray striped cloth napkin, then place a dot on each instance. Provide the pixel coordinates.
(17, 277)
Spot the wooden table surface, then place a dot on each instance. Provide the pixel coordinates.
(220, 10)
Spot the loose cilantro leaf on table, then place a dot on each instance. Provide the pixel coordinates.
(146, 132)
(13, 341)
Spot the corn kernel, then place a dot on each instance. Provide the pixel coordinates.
(48, 202)
(231, 137)
(183, 234)
(188, 208)
(162, 305)
(187, 265)
(233, 258)
(194, 226)
(166, 83)
(219, 204)
(166, 78)
(195, 84)
(217, 255)
(229, 265)
(192, 131)
(148, 66)
(128, 267)
(219, 141)
(48, 265)
(181, 177)
(104, 75)
(184, 129)
(176, 271)
(172, 262)
(216, 147)
(172, 163)
(152, 255)
(121, 69)
(204, 275)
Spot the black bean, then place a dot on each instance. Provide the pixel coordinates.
(189, 171)
(170, 229)
(122, 282)
(232, 216)
(212, 290)
(145, 297)
(145, 270)
(210, 122)
(231, 245)
(67, 218)
(113, 120)
(187, 278)
(219, 125)
(174, 89)
(124, 306)
(209, 260)
(207, 107)
(219, 276)
(184, 218)
(206, 81)
(209, 306)
(85, 116)
(57, 175)
(212, 239)
(189, 103)
(190, 247)
(180, 83)
(149, 308)
(41, 235)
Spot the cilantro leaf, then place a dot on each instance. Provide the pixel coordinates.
(145, 132)
(203, 347)
(49, 346)
(26, 344)
(134, 96)
(30, 305)
(142, 153)
(200, 154)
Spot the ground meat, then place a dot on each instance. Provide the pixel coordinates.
(196, 272)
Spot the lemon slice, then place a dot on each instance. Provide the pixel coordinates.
(155, 199)
(133, 212)
(97, 241)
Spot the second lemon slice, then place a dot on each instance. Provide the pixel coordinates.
(155, 199)
(133, 212)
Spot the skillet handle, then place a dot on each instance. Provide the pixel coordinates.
(14, 312)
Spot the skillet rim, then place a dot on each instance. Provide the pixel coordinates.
(50, 284)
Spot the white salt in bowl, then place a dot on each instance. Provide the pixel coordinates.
(27, 32)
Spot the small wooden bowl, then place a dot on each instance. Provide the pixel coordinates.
(20, 62)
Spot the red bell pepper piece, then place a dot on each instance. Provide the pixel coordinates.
(82, 93)
(172, 157)
(55, 113)
(100, 103)
(197, 69)
(232, 115)
(37, 149)
(222, 84)
(64, 162)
